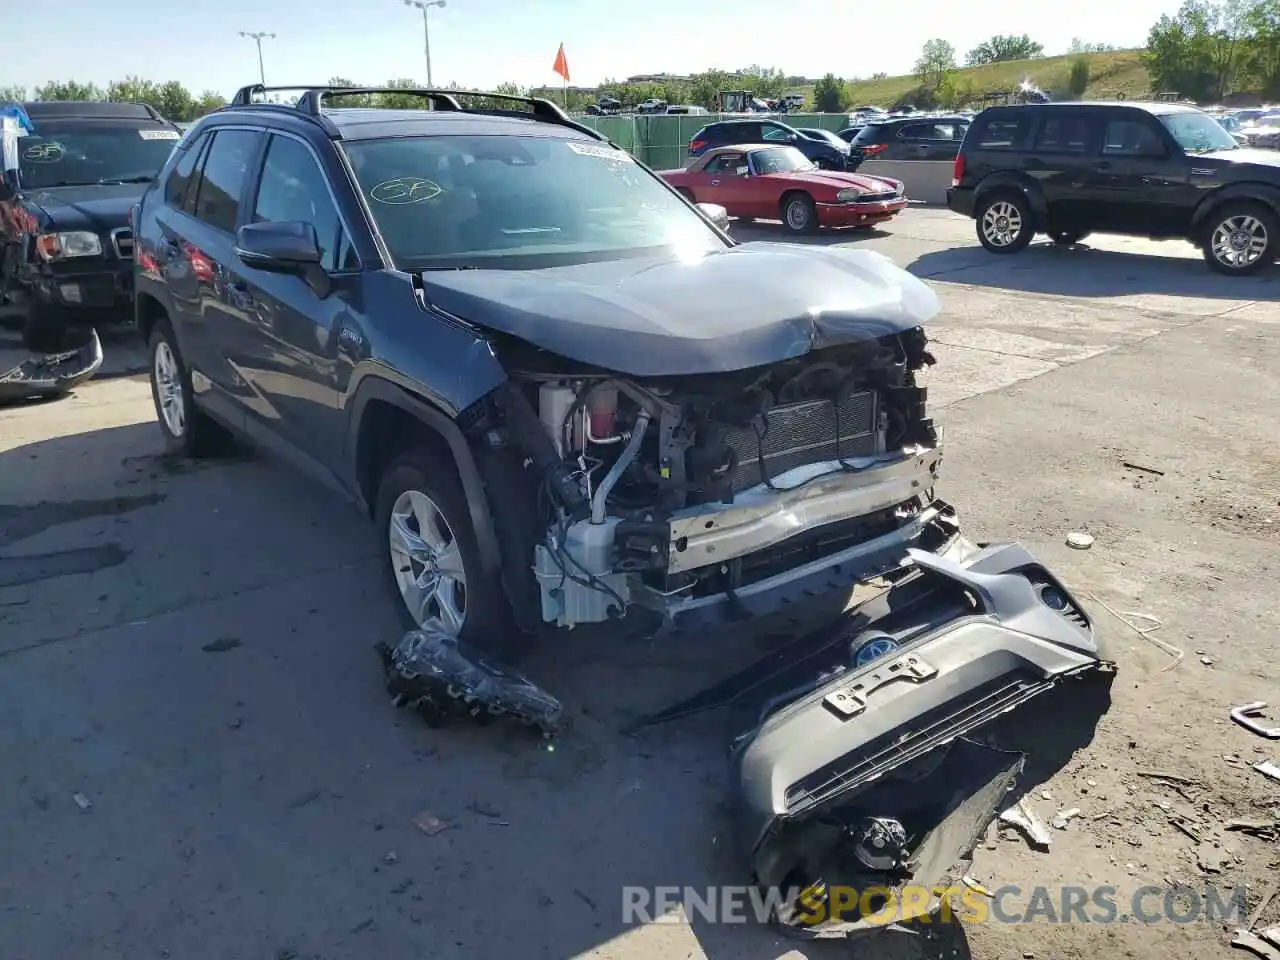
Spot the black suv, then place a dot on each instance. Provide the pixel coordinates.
(65, 243)
(564, 394)
(823, 152)
(910, 138)
(1143, 169)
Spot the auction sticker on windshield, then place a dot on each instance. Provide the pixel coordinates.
(405, 190)
(159, 135)
(601, 152)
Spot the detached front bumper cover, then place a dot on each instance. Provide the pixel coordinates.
(52, 375)
(984, 667)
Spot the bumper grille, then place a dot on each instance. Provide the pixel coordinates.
(790, 436)
(122, 240)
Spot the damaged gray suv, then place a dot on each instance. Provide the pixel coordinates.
(564, 393)
(566, 396)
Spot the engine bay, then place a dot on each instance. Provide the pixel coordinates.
(631, 481)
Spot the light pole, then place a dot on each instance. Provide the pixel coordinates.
(258, 38)
(424, 6)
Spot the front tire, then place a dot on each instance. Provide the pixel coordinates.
(1004, 223)
(432, 560)
(187, 431)
(799, 214)
(1241, 238)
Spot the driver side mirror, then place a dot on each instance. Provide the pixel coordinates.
(289, 246)
(716, 214)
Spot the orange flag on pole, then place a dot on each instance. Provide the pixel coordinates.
(561, 66)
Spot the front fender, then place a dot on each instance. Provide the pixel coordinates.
(1257, 192)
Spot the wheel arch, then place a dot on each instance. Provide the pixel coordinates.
(1263, 193)
(147, 312)
(1010, 182)
(386, 419)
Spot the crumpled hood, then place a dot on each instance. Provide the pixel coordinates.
(100, 207)
(749, 305)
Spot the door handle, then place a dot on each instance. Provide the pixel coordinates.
(715, 183)
(1102, 165)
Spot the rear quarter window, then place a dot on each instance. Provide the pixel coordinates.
(996, 133)
(869, 134)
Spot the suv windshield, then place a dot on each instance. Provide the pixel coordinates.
(511, 202)
(1198, 132)
(781, 160)
(63, 154)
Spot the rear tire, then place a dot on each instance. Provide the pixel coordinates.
(1241, 238)
(1004, 223)
(187, 431)
(799, 214)
(419, 494)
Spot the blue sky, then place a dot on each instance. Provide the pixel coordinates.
(479, 43)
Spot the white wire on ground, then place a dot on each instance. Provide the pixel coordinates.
(1144, 632)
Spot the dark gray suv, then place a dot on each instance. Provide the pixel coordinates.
(563, 393)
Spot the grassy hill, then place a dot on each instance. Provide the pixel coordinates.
(1110, 74)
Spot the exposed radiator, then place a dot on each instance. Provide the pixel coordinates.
(792, 435)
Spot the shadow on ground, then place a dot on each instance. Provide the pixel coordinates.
(1083, 271)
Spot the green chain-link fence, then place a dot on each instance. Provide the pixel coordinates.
(662, 141)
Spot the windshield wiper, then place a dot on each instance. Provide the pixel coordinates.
(113, 180)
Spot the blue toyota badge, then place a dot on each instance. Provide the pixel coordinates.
(874, 649)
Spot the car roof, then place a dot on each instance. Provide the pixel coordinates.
(1150, 106)
(88, 110)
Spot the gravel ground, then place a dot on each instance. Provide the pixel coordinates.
(188, 649)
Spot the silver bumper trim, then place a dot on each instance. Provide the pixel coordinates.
(805, 498)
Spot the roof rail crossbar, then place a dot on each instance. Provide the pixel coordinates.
(244, 96)
(314, 99)
(540, 108)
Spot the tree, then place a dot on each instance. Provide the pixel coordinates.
(1263, 56)
(1078, 77)
(830, 95)
(13, 93)
(68, 90)
(1200, 51)
(1000, 48)
(936, 59)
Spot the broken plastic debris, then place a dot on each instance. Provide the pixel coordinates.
(1064, 817)
(428, 671)
(1268, 769)
(83, 802)
(1021, 816)
(975, 886)
(1079, 540)
(429, 823)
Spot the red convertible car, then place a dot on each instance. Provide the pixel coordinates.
(779, 182)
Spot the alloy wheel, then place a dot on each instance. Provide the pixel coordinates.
(427, 562)
(1002, 223)
(173, 406)
(797, 215)
(1239, 241)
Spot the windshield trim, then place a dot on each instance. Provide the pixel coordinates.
(717, 242)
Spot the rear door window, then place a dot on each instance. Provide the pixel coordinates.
(996, 133)
(177, 189)
(1063, 133)
(223, 178)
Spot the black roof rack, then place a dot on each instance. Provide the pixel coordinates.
(312, 102)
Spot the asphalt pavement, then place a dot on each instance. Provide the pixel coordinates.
(201, 762)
